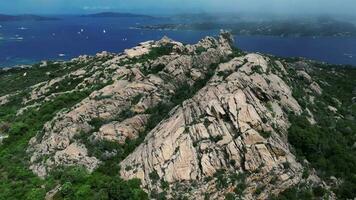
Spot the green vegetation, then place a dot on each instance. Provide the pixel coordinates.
(154, 177)
(199, 50)
(17, 181)
(153, 70)
(257, 69)
(328, 146)
(136, 99)
(301, 191)
(67, 84)
(265, 134)
(224, 74)
(77, 183)
(19, 79)
(153, 54)
(226, 179)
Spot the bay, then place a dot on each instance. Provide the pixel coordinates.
(34, 41)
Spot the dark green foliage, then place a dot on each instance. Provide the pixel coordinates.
(259, 190)
(154, 177)
(225, 179)
(152, 70)
(216, 138)
(326, 149)
(158, 196)
(136, 99)
(164, 184)
(265, 134)
(295, 193)
(66, 84)
(199, 50)
(96, 123)
(305, 173)
(240, 183)
(157, 68)
(14, 79)
(16, 179)
(286, 165)
(77, 183)
(230, 196)
(221, 179)
(223, 74)
(319, 191)
(257, 69)
(158, 113)
(328, 145)
(186, 91)
(153, 54)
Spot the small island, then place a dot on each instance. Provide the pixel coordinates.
(24, 17)
(116, 15)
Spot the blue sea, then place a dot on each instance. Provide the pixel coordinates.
(33, 41)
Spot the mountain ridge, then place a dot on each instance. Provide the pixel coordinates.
(25, 17)
(116, 14)
(181, 121)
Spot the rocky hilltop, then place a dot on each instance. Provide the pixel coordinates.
(202, 121)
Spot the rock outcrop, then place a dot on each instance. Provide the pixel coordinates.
(108, 102)
(230, 135)
(233, 124)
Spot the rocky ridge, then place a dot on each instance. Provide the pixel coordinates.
(229, 135)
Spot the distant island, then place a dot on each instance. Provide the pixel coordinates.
(25, 17)
(283, 28)
(116, 14)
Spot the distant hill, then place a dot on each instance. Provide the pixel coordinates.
(116, 14)
(284, 28)
(25, 18)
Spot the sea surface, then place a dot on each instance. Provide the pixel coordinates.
(34, 41)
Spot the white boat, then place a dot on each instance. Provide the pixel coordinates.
(16, 38)
(61, 55)
(22, 28)
(349, 55)
(81, 30)
(104, 31)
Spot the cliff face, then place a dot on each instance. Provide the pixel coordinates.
(58, 144)
(237, 123)
(207, 120)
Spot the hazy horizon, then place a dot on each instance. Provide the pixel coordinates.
(167, 7)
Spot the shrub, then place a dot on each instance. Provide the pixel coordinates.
(154, 177)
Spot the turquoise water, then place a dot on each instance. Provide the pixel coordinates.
(30, 42)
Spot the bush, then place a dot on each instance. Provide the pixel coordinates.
(154, 177)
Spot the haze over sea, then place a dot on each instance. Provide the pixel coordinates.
(26, 42)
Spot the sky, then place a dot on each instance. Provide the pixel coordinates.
(301, 7)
